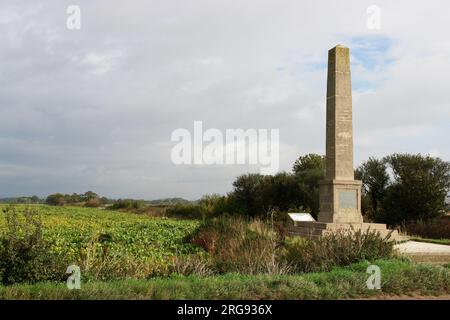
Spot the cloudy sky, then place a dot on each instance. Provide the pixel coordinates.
(94, 109)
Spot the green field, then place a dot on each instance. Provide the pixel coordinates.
(129, 256)
(72, 228)
(138, 241)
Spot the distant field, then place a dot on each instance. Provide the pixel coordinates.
(127, 235)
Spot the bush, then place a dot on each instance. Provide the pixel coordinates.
(24, 255)
(128, 204)
(336, 249)
(434, 229)
(212, 205)
(93, 203)
(208, 206)
(186, 211)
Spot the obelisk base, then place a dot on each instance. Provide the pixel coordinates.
(340, 201)
(340, 211)
(315, 230)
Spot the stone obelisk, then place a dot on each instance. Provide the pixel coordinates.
(340, 194)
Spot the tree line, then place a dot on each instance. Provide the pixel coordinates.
(89, 199)
(396, 189)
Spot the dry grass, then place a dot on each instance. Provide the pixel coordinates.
(239, 245)
(337, 249)
(253, 247)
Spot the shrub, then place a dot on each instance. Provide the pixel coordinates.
(207, 207)
(337, 249)
(24, 255)
(93, 203)
(434, 229)
(182, 210)
(213, 205)
(127, 204)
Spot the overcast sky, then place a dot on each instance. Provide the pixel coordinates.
(94, 109)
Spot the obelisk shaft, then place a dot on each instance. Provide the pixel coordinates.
(339, 132)
(340, 194)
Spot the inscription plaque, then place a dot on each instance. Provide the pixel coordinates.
(347, 199)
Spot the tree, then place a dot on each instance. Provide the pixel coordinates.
(104, 200)
(420, 185)
(56, 199)
(74, 198)
(375, 180)
(89, 195)
(253, 194)
(309, 170)
(286, 191)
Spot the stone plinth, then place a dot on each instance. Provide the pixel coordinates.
(314, 230)
(340, 201)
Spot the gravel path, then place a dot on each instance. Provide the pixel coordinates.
(423, 248)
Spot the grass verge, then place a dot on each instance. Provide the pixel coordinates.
(398, 277)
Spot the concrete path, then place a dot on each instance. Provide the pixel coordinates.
(425, 252)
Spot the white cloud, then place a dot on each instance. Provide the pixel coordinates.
(100, 63)
(94, 108)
